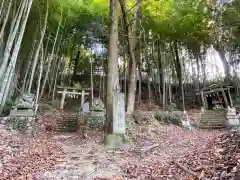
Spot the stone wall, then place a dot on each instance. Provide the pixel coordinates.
(20, 123)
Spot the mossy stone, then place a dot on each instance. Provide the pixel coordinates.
(114, 141)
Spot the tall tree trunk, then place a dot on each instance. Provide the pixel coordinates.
(179, 76)
(56, 78)
(113, 76)
(11, 38)
(163, 83)
(221, 52)
(75, 68)
(36, 57)
(51, 56)
(5, 20)
(203, 67)
(24, 84)
(1, 8)
(158, 61)
(54, 68)
(139, 85)
(198, 71)
(131, 47)
(12, 64)
(39, 80)
(170, 91)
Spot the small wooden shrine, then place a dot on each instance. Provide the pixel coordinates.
(216, 96)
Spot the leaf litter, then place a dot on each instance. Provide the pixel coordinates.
(156, 152)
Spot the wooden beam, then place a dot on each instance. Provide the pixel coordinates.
(212, 91)
(231, 102)
(225, 98)
(73, 93)
(72, 88)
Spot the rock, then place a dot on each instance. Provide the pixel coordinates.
(186, 122)
(160, 115)
(115, 141)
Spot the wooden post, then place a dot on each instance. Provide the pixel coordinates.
(225, 98)
(63, 99)
(74, 93)
(203, 100)
(82, 97)
(231, 102)
(218, 96)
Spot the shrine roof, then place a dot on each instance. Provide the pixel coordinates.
(214, 88)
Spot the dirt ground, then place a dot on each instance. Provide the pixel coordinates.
(68, 156)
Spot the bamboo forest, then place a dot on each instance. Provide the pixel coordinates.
(119, 89)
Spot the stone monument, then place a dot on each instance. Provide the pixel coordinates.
(232, 118)
(186, 122)
(119, 114)
(22, 114)
(97, 114)
(118, 139)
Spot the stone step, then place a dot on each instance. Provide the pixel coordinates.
(212, 127)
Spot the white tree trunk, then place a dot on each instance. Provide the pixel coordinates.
(56, 77)
(39, 82)
(5, 20)
(1, 9)
(12, 64)
(5, 94)
(54, 69)
(37, 52)
(11, 38)
(51, 57)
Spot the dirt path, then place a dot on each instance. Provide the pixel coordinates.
(88, 159)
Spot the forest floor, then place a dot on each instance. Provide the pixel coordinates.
(68, 156)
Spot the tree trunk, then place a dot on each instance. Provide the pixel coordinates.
(198, 71)
(139, 85)
(56, 77)
(179, 76)
(75, 68)
(112, 75)
(5, 20)
(203, 67)
(24, 84)
(12, 64)
(131, 48)
(1, 8)
(163, 85)
(159, 66)
(11, 37)
(39, 81)
(54, 68)
(36, 57)
(51, 57)
(221, 52)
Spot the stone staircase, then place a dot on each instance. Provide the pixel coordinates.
(213, 119)
(69, 122)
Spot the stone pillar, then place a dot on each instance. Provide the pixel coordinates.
(119, 114)
(232, 119)
(63, 99)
